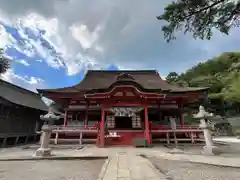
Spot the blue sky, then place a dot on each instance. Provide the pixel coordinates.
(53, 43)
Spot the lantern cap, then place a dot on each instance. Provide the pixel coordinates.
(202, 113)
(50, 116)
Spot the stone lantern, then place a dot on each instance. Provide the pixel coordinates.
(47, 128)
(203, 116)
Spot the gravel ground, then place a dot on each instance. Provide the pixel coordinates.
(179, 170)
(50, 170)
(225, 151)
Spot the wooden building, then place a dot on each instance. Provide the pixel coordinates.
(20, 111)
(118, 106)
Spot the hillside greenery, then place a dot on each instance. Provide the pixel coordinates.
(222, 75)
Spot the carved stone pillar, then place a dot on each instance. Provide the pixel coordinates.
(47, 128)
(44, 150)
(173, 127)
(208, 148)
(202, 115)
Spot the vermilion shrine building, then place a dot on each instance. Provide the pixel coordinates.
(114, 107)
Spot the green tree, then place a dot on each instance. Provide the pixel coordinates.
(172, 77)
(4, 62)
(200, 17)
(232, 92)
(222, 75)
(214, 83)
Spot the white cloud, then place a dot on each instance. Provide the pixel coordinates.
(28, 82)
(55, 53)
(163, 77)
(99, 48)
(5, 38)
(33, 80)
(37, 23)
(81, 34)
(35, 47)
(80, 62)
(47, 101)
(23, 62)
(84, 36)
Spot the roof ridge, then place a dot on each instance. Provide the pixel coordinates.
(122, 71)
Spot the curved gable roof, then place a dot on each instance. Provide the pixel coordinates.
(21, 96)
(95, 80)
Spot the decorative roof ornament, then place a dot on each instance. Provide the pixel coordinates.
(125, 76)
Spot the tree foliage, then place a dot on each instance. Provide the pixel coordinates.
(4, 62)
(172, 77)
(221, 74)
(233, 91)
(200, 17)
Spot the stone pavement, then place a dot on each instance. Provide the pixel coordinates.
(182, 170)
(93, 151)
(211, 160)
(160, 152)
(127, 166)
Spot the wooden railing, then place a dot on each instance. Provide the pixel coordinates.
(191, 132)
(74, 129)
(76, 126)
(156, 126)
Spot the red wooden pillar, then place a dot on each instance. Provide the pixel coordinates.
(102, 129)
(147, 131)
(181, 120)
(65, 118)
(159, 114)
(86, 117)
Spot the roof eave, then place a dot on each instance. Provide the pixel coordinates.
(205, 89)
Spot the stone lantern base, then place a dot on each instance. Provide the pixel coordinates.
(43, 152)
(214, 150)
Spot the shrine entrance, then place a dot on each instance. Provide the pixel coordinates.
(123, 122)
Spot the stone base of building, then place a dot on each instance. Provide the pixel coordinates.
(43, 152)
(214, 150)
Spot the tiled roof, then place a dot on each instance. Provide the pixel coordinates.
(148, 80)
(21, 96)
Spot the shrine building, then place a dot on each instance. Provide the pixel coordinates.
(20, 111)
(114, 107)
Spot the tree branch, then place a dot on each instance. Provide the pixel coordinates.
(204, 8)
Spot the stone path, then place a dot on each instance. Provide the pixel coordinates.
(91, 150)
(212, 160)
(124, 166)
(180, 170)
(125, 163)
(50, 170)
